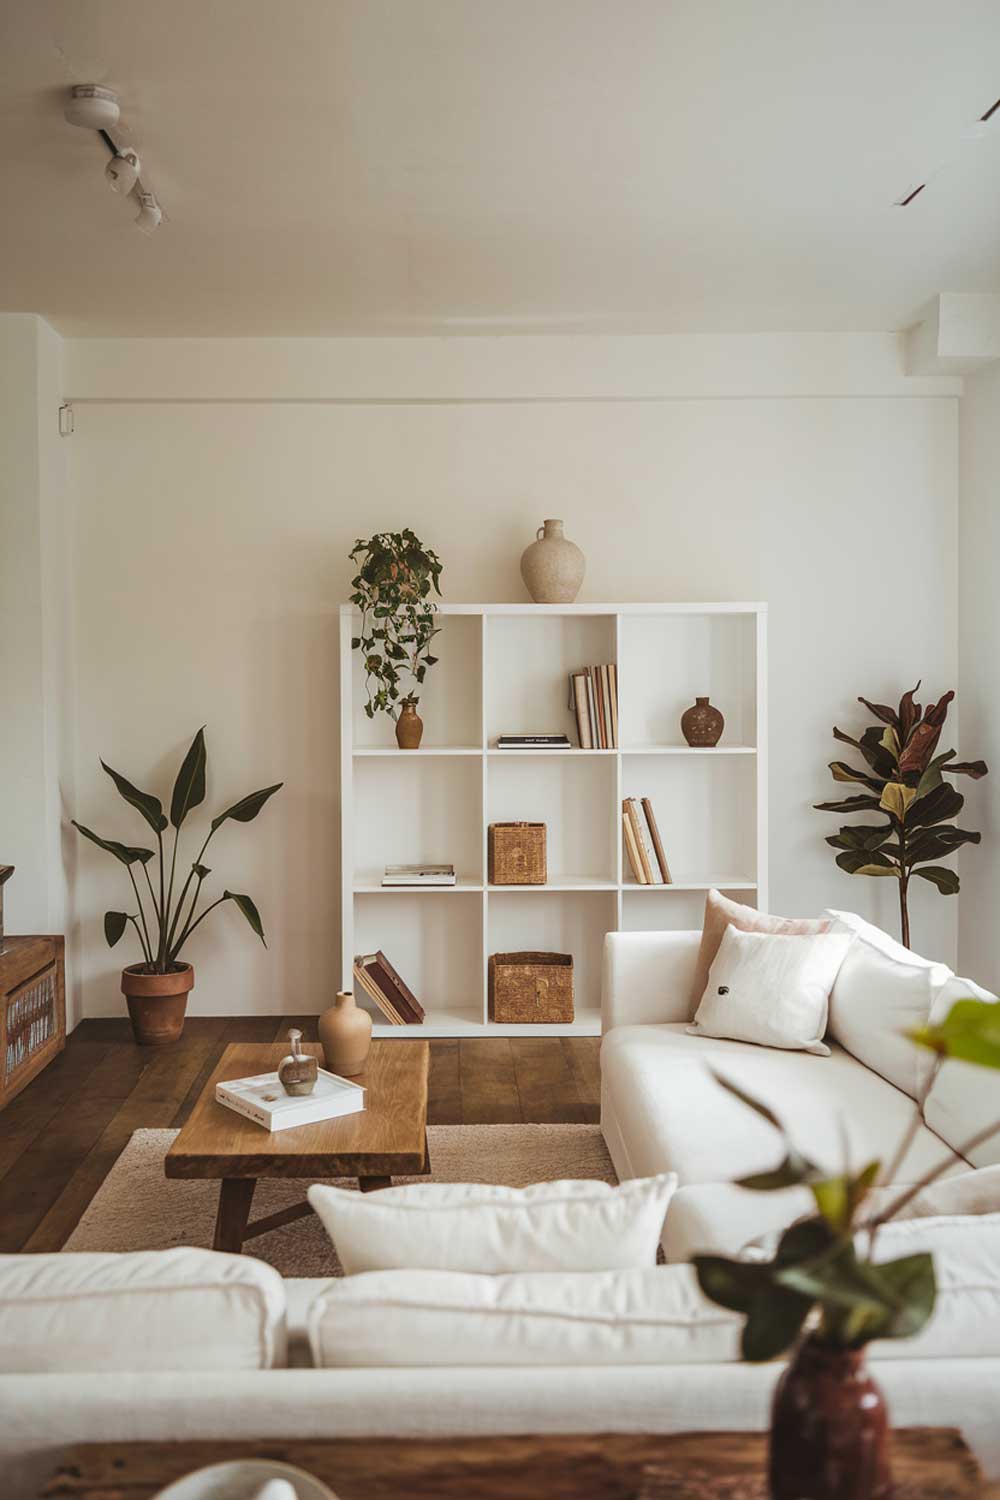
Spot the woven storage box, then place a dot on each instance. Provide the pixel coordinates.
(516, 854)
(531, 987)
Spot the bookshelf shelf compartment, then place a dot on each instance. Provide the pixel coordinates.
(505, 668)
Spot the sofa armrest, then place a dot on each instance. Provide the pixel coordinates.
(647, 977)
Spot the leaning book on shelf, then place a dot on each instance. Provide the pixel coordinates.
(631, 848)
(390, 992)
(263, 1100)
(657, 842)
(652, 877)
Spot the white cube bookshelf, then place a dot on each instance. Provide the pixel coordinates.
(505, 667)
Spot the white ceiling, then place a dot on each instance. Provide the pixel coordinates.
(481, 166)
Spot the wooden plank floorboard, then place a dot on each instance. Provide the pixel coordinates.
(545, 1082)
(488, 1082)
(61, 1137)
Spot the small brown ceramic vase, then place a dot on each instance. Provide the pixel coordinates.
(157, 1002)
(409, 727)
(346, 1033)
(701, 724)
(829, 1429)
(298, 1072)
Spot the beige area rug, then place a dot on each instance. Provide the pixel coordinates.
(138, 1208)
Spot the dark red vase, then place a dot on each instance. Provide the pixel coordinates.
(829, 1429)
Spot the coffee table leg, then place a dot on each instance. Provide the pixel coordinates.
(372, 1184)
(235, 1198)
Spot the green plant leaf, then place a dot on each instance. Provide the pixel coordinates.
(912, 1282)
(974, 768)
(734, 1284)
(247, 808)
(970, 1032)
(849, 805)
(889, 740)
(866, 862)
(127, 854)
(833, 1199)
(202, 871)
(792, 1172)
(249, 910)
(115, 923)
(145, 803)
(860, 836)
(882, 711)
(748, 1099)
(773, 1324)
(938, 806)
(896, 799)
(843, 772)
(189, 788)
(938, 843)
(945, 880)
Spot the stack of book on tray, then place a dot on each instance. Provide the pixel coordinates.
(643, 843)
(593, 697)
(381, 983)
(418, 875)
(533, 742)
(263, 1100)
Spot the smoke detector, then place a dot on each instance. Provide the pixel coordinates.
(92, 108)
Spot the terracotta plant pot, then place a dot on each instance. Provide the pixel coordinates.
(409, 728)
(157, 1002)
(829, 1429)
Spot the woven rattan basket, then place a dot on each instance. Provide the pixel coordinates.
(531, 988)
(516, 854)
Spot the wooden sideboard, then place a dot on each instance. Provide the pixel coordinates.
(32, 1009)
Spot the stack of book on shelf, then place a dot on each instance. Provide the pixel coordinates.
(533, 742)
(381, 983)
(643, 843)
(263, 1100)
(593, 697)
(418, 875)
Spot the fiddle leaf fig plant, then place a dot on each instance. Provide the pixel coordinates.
(822, 1279)
(392, 588)
(162, 923)
(904, 780)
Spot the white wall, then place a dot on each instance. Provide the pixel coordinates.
(212, 547)
(979, 697)
(37, 747)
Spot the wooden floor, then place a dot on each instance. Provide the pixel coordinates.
(61, 1137)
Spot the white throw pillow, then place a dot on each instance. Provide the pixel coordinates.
(771, 990)
(882, 991)
(970, 1194)
(453, 1226)
(420, 1318)
(183, 1309)
(965, 1098)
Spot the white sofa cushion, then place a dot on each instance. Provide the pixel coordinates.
(451, 1226)
(770, 989)
(661, 1103)
(421, 1318)
(721, 913)
(964, 1099)
(183, 1309)
(882, 991)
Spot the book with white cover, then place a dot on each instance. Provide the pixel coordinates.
(263, 1100)
(419, 875)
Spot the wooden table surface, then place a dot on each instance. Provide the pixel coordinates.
(929, 1464)
(387, 1139)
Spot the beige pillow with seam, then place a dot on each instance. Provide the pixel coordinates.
(721, 913)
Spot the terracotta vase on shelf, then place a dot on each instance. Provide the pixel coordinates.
(553, 566)
(829, 1429)
(345, 1031)
(409, 727)
(701, 724)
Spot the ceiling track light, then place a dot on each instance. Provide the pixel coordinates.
(98, 109)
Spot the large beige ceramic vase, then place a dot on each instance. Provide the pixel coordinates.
(553, 566)
(346, 1033)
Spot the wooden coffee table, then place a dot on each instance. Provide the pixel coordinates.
(928, 1464)
(388, 1139)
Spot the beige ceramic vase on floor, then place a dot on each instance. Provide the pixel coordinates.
(553, 566)
(346, 1034)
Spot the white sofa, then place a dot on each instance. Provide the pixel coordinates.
(186, 1344)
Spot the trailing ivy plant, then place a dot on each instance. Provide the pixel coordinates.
(392, 587)
(904, 779)
(163, 924)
